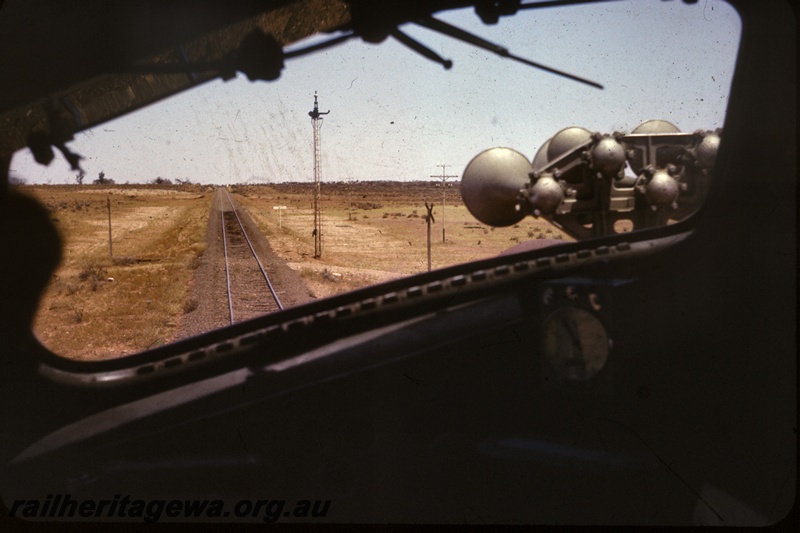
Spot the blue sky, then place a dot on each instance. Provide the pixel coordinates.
(396, 115)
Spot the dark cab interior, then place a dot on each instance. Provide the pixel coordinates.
(433, 398)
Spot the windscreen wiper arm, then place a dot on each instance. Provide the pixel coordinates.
(457, 33)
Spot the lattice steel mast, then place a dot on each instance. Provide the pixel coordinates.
(316, 121)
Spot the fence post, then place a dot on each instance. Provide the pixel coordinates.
(110, 249)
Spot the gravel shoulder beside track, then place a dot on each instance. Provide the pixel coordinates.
(207, 303)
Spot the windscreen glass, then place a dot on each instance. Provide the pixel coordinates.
(365, 163)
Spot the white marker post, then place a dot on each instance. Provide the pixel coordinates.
(279, 209)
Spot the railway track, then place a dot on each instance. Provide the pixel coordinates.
(249, 290)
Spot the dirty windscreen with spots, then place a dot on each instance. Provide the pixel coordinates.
(365, 163)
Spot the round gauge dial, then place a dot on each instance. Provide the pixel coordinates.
(575, 343)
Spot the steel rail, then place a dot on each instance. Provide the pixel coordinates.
(255, 255)
(227, 269)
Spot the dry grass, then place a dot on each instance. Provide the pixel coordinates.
(158, 238)
(96, 306)
(376, 240)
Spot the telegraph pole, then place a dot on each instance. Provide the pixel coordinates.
(444, 177)
(316, 122)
